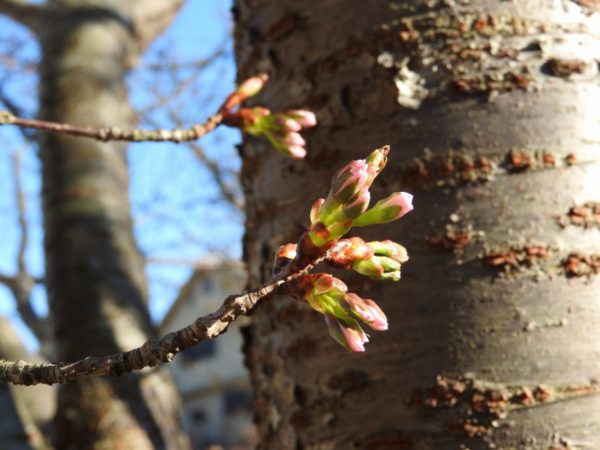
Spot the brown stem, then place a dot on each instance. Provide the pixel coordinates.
(115, 133)
(152, 353)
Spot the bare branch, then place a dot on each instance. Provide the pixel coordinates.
(115, 133)
(20, 201)
(152, 352)
(21, 284)
(25, 13)
(217, 175)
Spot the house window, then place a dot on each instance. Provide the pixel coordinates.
(208, 285)
(238, 401)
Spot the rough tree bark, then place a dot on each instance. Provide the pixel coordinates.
(491, 111)
(94, 271)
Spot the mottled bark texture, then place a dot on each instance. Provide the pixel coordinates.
(491, 108)
(94, 271)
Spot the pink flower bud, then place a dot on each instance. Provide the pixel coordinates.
(345, 251)
(367, 310)
(377, 161)
(379, 322)
(314, 211)
(305, 118)
(246, 89)
(349, 181)
(328, 283)
(285, 255)
(389, 248)
(252, 85)
(358, 206)
(294, 138)
(296, 151)
(355, 337)
(387, 210)
(349, 336)
(288, 124)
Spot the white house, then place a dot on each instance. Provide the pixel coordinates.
(211, 376)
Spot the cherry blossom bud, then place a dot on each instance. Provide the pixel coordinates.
(348, 335)
(314, 211)
(328, 283)
(345, 251)
(387, 210)
(378, 268)
(288, 124)
(285, 255)
(367, 310)
(350, 181)
(376, 161)
(305, 118)
(389, 248)
(321, 235)
(245, 90)
(294, 138)
(295, 151)
(252, 85)
(357, 207)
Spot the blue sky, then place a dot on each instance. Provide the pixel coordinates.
(177, 209)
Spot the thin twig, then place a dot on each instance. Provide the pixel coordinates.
(152, 352)
(115, 133)
(21, 284)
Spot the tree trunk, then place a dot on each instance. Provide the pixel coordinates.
(25, 411)
(94, 271)
(491, 111)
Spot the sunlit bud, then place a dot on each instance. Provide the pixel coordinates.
(386, 210)
(285, 255)
(320, 234)
(348, 334)
(296, 151)
(314, 211)
(378, 268)
(345, 251)
(328, 283)
(377, 161)
(367, 310)
(305, 118)
(288, 124)
(389, 248)
(294, 138)
(247, 89)
(379, 322)
(357, 207)
(349, 181)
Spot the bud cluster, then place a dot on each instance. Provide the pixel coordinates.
(348, 200)
(282, 130)
(379, 260)
(347, 205)
(343, 310)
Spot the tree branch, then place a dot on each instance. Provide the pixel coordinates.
(152, 352)
(27, 14)
(115, 133)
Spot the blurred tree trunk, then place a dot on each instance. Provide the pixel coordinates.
(25, 411)
(491, 109)
(94, 271)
